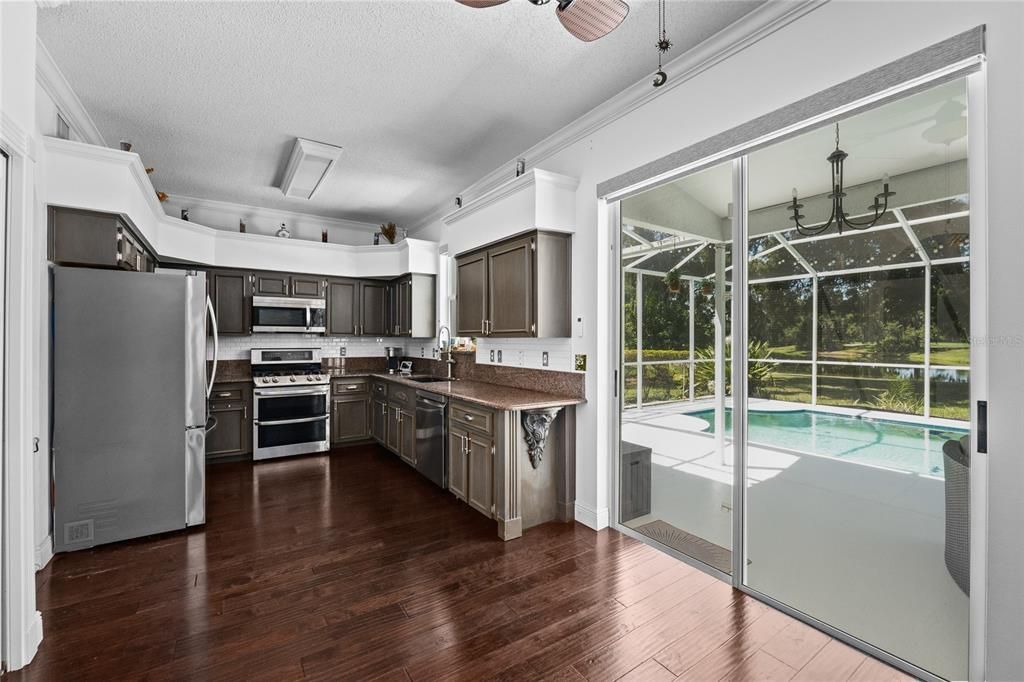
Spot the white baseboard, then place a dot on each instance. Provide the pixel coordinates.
(44, 552)
(24, 649)
(592, 518)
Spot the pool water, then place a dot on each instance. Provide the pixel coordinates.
(896, 445)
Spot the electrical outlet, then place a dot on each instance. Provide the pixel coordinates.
(499, 356)
(522, 358)
(435, 352)
(544, 358)
(344, 351)
(492, 355)
(423, 352)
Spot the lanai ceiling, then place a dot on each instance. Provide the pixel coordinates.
(425, 96)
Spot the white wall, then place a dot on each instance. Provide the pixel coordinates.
(781, 68)
(22, 626)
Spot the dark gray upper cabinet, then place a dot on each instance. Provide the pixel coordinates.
(518, 287)
(91, 238)
(307, 286)
(510, 289)
(272, 284)
(471, 296)
(372, 309)
(342, 307)
(231, 293)
(412, 306)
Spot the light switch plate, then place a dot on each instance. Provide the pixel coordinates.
(544, 358)
(499, 356)
(344, 351)
(492, 355)
(579, 327)
(522, 358)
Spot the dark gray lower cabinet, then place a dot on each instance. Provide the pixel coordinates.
(379, 421)
(231, 406)
(407, 435)
(457, 467)
(394, 429)
(480, 489)
(350, 419)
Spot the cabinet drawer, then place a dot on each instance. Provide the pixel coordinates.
(348, 386)
(233, 394)
(401, 395)
(471, 417)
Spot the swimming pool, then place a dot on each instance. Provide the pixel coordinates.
(881, 442)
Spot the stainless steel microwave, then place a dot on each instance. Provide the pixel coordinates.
(295, 315)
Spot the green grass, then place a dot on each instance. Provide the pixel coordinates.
(669, 382)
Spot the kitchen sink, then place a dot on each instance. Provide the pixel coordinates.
(423, 379)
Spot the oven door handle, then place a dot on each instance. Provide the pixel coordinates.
(284, 422)
(281, 394)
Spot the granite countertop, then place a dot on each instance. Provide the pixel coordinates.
(494, 396)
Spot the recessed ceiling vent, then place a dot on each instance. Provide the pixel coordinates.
(308, 165)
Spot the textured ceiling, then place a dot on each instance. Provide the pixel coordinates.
(425, 96)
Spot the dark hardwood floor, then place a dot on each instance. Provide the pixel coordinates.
(352, 566)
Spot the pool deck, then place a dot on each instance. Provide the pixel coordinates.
(844, 522)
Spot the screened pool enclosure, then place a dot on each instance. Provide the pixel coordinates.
(876, 319)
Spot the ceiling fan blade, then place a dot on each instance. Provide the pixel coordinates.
(589, 20)
(481, 3)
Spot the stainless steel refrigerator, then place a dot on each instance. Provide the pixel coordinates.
(128, 404)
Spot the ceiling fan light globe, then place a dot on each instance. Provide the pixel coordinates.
(589, 20)
(480, 4)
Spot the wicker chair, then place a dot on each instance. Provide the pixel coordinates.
(957, 461)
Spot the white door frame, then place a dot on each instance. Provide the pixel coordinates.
(977, 164)
(21, 630)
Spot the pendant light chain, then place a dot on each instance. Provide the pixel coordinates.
(663, 44)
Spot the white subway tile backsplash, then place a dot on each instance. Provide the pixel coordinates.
(527, 353)
(239, 347)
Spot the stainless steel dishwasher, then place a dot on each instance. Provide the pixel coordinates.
(432, 437)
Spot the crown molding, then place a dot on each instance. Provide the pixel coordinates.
(53, 82)
(738, 36)
(14, 138)
(275, 215)
(508, 188)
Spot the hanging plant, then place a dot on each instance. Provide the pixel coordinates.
(673, 281)
(707, 288)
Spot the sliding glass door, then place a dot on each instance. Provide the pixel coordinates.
(851, 467)
(676, 457)
(858, 379)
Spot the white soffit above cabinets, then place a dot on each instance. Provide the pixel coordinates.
(426, 96)
(310, 162)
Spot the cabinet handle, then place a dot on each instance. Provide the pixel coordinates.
(468, 417)
(483, 327)
(225, 394)
(245, 412)
(351, 387)
(469, 444)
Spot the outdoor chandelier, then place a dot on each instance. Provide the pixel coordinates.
(839, 216)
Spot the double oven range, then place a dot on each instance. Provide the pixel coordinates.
(291, 403)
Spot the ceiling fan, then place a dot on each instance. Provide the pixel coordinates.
(588, 20)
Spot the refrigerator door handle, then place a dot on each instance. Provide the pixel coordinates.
(216, 345)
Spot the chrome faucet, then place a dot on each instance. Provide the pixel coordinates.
(444, 342)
